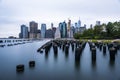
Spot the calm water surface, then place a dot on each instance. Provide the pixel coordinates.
(56, 67)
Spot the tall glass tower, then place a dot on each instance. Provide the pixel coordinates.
(63, 29)
(43, 30)
(24, 31)
(79, 24)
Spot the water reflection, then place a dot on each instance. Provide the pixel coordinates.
(77, 64)
(77, 58)
(72, 46)
(66, 51)
(20, 73)
(47, 50)
(46, 56)
(55, 56)
(93, 62)
(93, 58)
(66, 55)
(112, 63)
(104, 50)
(104, 54)
(63, 47)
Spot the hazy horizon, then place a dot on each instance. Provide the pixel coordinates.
(14, 13)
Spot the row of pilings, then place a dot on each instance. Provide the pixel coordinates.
(78, 47)
(112, 47)
(64, 45)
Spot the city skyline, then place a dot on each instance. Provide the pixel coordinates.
(15, 13)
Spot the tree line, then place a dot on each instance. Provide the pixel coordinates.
(111, 30)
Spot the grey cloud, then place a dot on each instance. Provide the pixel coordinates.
(6, 20)
(14, 12)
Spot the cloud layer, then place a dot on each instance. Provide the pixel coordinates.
(13, 13)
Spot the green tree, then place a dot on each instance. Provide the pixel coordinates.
(88, 33)
(97, 31)
(109, 29)
(77, 35)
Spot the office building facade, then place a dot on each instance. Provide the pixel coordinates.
(43, 30)
(33, 29)
(24, 31)
(63, 29)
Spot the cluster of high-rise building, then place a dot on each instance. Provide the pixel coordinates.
(67, 30)
(33, 32)
(24, 32)
(64, 30)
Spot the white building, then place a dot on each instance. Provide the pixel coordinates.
(57, 33)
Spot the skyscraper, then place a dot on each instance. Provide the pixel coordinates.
(70, 32)
(69, 25)
(79, 24)
(24, 31)
(73, 29)
(33, 29)
(52, 29)
(57, 33)
(68, 28)
(43, 30)
(98, 23)
(76, 27)
(49, 33)
(82, 29)
(63, 29)
(38, 34)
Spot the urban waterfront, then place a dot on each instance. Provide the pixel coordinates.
(56, 67)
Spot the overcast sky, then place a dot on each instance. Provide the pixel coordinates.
(13, 13)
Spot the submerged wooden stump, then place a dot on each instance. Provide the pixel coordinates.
(55, 49)
(32, 64)
(93, 54)
(112, 53)
(20, 68)
(66, 49)
(104, 49)
(77, 53)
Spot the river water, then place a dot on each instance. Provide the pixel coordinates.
(56, 67)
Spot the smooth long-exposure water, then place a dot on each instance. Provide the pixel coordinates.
(56, 67)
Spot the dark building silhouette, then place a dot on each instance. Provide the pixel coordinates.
(33, 29)
(54, 30)
(49, 33)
